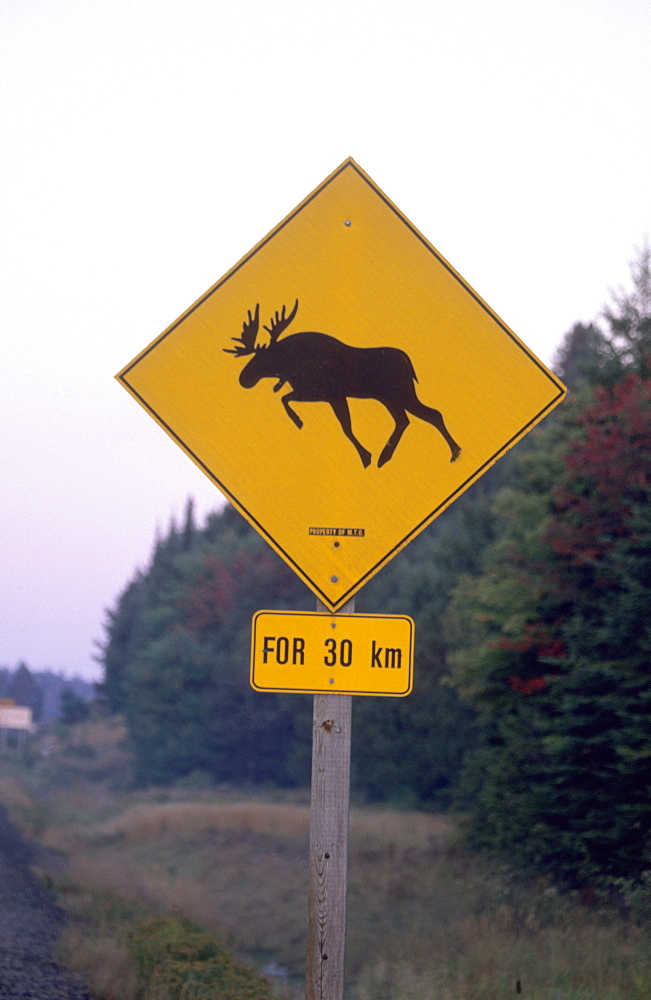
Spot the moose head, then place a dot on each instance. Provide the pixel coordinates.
(259, 366)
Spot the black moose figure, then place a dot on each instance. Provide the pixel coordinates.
(320, 368)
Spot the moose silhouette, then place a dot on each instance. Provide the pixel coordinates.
(320, 368)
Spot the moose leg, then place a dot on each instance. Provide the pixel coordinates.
(402, 422)
(434, 417)
(342, 413)
(294, 417)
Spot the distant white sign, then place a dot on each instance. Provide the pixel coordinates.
(15, 717)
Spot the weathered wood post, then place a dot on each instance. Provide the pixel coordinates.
(328, 860)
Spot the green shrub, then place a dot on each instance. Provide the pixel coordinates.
(175, 959)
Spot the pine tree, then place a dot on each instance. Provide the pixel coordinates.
(586, 356)
(24, 689)
(553, 644)
(629, 315)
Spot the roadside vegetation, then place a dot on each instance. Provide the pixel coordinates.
(182, 892)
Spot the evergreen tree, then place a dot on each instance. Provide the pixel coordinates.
(586, 356)
(629, 316)
(72, 708)
(24, 689)
(123, 628)
(189, 526)
(552, 644)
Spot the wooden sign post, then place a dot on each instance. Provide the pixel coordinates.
(328, 859)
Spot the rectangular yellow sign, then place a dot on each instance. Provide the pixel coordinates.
(312, 652)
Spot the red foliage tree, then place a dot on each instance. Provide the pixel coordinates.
(207, 604)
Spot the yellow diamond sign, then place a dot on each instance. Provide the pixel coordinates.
(342, 384)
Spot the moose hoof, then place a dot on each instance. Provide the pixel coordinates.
(366, 458)
(456, 451)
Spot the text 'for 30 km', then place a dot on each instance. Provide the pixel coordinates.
(285, 650)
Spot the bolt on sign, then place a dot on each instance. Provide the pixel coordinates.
(342, 384)
(336, 654)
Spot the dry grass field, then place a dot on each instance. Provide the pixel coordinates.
(426, 919)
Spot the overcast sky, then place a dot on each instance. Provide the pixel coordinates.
(146, 146)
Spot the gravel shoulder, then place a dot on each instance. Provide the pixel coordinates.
(30, 923)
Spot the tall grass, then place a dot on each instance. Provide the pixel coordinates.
(427, 920)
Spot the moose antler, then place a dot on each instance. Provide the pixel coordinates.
(249, 333)
(280, 322)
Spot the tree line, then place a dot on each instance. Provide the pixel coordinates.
(530, 594)
(49, 695)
